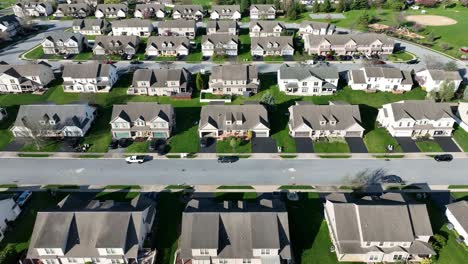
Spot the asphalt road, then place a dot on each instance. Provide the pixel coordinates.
(209, 172)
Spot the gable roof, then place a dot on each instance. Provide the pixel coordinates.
(72, 8)
(187, 8)
(265, 25)
(421, 109)
(317, 25)
(228, 9)
(132, 22)
(281, 42)
(105, 41)
(440, 75)
(360, 39)
(175, 41)
(220, 38)
(158, 78)
(263, 8)
(23, 70)
(251, 116)
(133, 111)
(460, 211)
(112, 9)
(179, 23)
(221, 26)
(88, 70)
(155, 6)
(301, 72)
(89, 23)
(64, 36)
(234, 72)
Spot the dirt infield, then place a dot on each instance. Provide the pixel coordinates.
(430, 20)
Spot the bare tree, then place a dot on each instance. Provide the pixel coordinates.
(37, 133)
(364, 178)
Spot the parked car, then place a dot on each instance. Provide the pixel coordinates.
(136, 159)
(125, 142)
(158, 145)
(443, 157)
(114, 144)
(390, 179)
(23, 198)
(228, 159)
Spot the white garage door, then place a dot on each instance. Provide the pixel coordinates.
(261, 134)
(403, 133)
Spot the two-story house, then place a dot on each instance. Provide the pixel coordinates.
(92, 3)
(10, 26)
(272, 46)
(306, 80)
(53, 121)
(186, 28)
(380, 79)
(433, 79)
(32, 9)
(189, 12)
(266, 29)
(149, 10)
(24, 78)
(234, 79)
(223, 121)
(231, 12)
(111, 11)
(167, 46)
(381, 229)
(262, 12)
(91, 27)
(219, 44)
(457, 215)
(159, 82)
(109, 45)
(325, 121)
(81, 230)
(349, 44)
(316, 28)
(89, 78)
(9, 211)
(62, 42)
(132, 27)
(417, 118)
(142, 120)
(73, 10)
(221, 27)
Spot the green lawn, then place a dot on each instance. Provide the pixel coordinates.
(244, 48)
(6, 3)
(84, 56)
(42, 146)
(461, 136)
(429, 146)
(460, 195)
(273, 59)
(241, 146)
(138, 147)
(35, 54)
(233, 196)
(331, 147)
(165, 58)
(378, 139)
(400, 56)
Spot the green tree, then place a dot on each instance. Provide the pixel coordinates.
(244, 5)
(233, 143)
(364, 19)
(8, 254)
(340, 7)
(199, 82)
(316, 7)
(326, 7)
(359, 4)
(446, 91)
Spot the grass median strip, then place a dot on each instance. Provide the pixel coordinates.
(27, 155)
(123, 187)
(235, 187)
(335, 156)
(296, 187)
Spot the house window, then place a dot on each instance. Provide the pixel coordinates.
(374, 257)
(204, 252)
(49, 251)
(381, 244)
(50, 261)
(304, 89)
(316, 83)
(110, 251)
(72, 260)
(223, 261)
(368, 244)
(265, 252)
(95, 260)
(115, 261)
(246, 261)
(322, 123)
(397, 257)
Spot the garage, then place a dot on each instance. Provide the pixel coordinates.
(302, 134)
(353, 134)
(120, 135)
(260, 133)
(404, 133)
(159, 135)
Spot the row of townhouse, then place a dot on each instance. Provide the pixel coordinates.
(10, 26)
(389, 228)
(148, 9)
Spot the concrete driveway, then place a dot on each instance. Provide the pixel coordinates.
(447, 144)
(210, 148)
(263, 145)
(407, 144)
(304, 145)
(356, 145)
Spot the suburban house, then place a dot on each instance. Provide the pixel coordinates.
(378, 229)
(89, 78)
(417, 118)
(262, 12)
(92, 3)
(107, 45)
(32, 9)
(132, 27)
(111, 11)
(457, 215)
(186, 28)
(349, 44)
(73, 10)
(272, 46)
(380, 79)
(142, 120)
(62, 42)
(432, 79)
(219, 44)
(9, 211)
(234, 79)
(54, 121)
(167, 46)
(266, 29)
(82, 230)
(325, 121)
(223, 121)
(462, 115)
(231, 12)
(189, 12)
(91, 27)
(10, 26)
(149, 10)
(24, 78)
(235, 232)
(306, 80)
(316, 28)
(221, 27)
(159, 82)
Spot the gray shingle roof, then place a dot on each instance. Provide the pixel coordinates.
(175, 42)
(228, 9)
(111, 9)
(106, 41)
(251, 115)
(187, 8)
(180, 23)
(132, 22)
(360, 39)
(263, 8)
(419, 109)
(154, 6)
(233, 231)
(72, 8)
(25, 69)
(221, 26)
(441, 75)
(265, 25)
(158, 78)
(88, 70)
(316, 25)
(64, 36)
(280, 42)
(89, 23)
(460, 212)
(234, 72)
(301, 72)
(142, 110)
(220, 38)
(311, 115)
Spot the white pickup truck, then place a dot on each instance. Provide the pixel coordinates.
(135, 159)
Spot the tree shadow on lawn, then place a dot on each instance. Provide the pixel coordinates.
(368, 117)
(186, 118)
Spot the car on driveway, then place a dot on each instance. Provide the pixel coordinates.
(443, 157)
(23, 198)
(206, 142)
(136, 159)
(228, 159)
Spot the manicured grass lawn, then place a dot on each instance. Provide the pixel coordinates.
(331, 147)
(378, 139)
(138, 147)
(429, 146)
(273, 59)
(35, 54)
(460, 195)
(224, 146)
(461, 136)
(400, 56)
(244, 48)
(6, 3)
(231, 187)
(47, 146)
(84, 55)
(165, 58)
(232, 196)
(194, 56)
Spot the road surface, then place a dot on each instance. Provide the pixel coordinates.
(208, 172)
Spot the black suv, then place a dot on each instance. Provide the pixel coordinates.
(443, 157)
(228, 159)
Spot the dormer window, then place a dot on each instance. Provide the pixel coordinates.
(322, 123)
(275, 45)
(332, 123)
(42, 122)
(228, 122)
(239, 122)
(52, 122)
